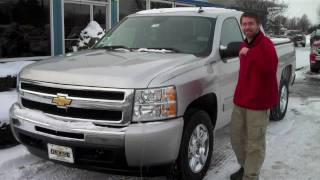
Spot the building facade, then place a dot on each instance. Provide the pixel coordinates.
(36, 29)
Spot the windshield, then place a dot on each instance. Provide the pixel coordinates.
(191, 35)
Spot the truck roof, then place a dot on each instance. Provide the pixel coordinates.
(213, 11)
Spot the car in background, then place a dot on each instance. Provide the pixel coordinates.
(315, 56)
(315, 36)
(297, 37)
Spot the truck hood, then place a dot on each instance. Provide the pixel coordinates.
(101, 68)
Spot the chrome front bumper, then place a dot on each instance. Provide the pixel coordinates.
(147, 144)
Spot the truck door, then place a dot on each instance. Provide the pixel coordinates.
(228, 66)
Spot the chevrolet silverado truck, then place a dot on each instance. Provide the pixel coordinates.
(147, 97)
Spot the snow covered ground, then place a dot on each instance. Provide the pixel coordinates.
(292, 144)
(302, 54)
(12, 68)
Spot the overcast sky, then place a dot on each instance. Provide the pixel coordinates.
(297, 8)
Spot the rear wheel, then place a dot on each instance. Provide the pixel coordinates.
(278, 112)
(314, 70)
(196, 146)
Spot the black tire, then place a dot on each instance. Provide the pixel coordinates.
(197, 118)
(303, 45)
(277, 113)
(6, 137)
(314, 70)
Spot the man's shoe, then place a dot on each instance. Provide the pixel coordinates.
(237, 175)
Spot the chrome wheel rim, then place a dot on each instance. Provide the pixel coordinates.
(198, 148)
(283, 99)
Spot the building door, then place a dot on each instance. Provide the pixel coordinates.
(77, 15)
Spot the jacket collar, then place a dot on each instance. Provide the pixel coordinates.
(256, 39)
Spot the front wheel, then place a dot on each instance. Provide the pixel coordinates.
(196, 147)
(278, 112)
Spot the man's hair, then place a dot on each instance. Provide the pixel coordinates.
(250, 15)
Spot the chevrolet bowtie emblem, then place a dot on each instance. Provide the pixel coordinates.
(61, 100)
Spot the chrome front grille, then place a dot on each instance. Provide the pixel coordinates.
(102, 106)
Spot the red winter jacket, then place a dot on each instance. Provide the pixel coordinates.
(257, 86)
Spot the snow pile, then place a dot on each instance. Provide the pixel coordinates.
(313, 75)
(186, 9)
(7, 99)
(308, 39)
(302, 57)
(49, 121)
(90, 35)
(280, 40)
(154, 50)
(12, 68)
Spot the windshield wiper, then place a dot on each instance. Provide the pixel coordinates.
(116, 47)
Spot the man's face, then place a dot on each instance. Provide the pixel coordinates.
(249, 27)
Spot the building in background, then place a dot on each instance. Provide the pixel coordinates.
(37, 29)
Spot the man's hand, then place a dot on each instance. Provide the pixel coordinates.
(243, 51)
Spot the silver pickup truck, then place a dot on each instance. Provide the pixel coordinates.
(147, 98)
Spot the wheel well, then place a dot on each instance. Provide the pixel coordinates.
(286, 73)
(208, 103)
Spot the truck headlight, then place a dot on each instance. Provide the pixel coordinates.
(155, 104)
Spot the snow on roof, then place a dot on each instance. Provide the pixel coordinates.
(187, 9)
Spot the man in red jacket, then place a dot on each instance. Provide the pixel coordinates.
(256, 93)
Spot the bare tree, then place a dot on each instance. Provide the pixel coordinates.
(293, 23)
(278, 25)
(266, 9)
(283, 20)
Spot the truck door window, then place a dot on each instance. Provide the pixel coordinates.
(230, 32)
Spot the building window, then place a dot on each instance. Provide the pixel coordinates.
(78, 14)
(24, 28)
(99, 15)
(128, 7)
(183, 5)
(76, 18)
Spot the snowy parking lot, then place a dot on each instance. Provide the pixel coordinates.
(293, 144)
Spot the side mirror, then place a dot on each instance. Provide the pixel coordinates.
(232, 50)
